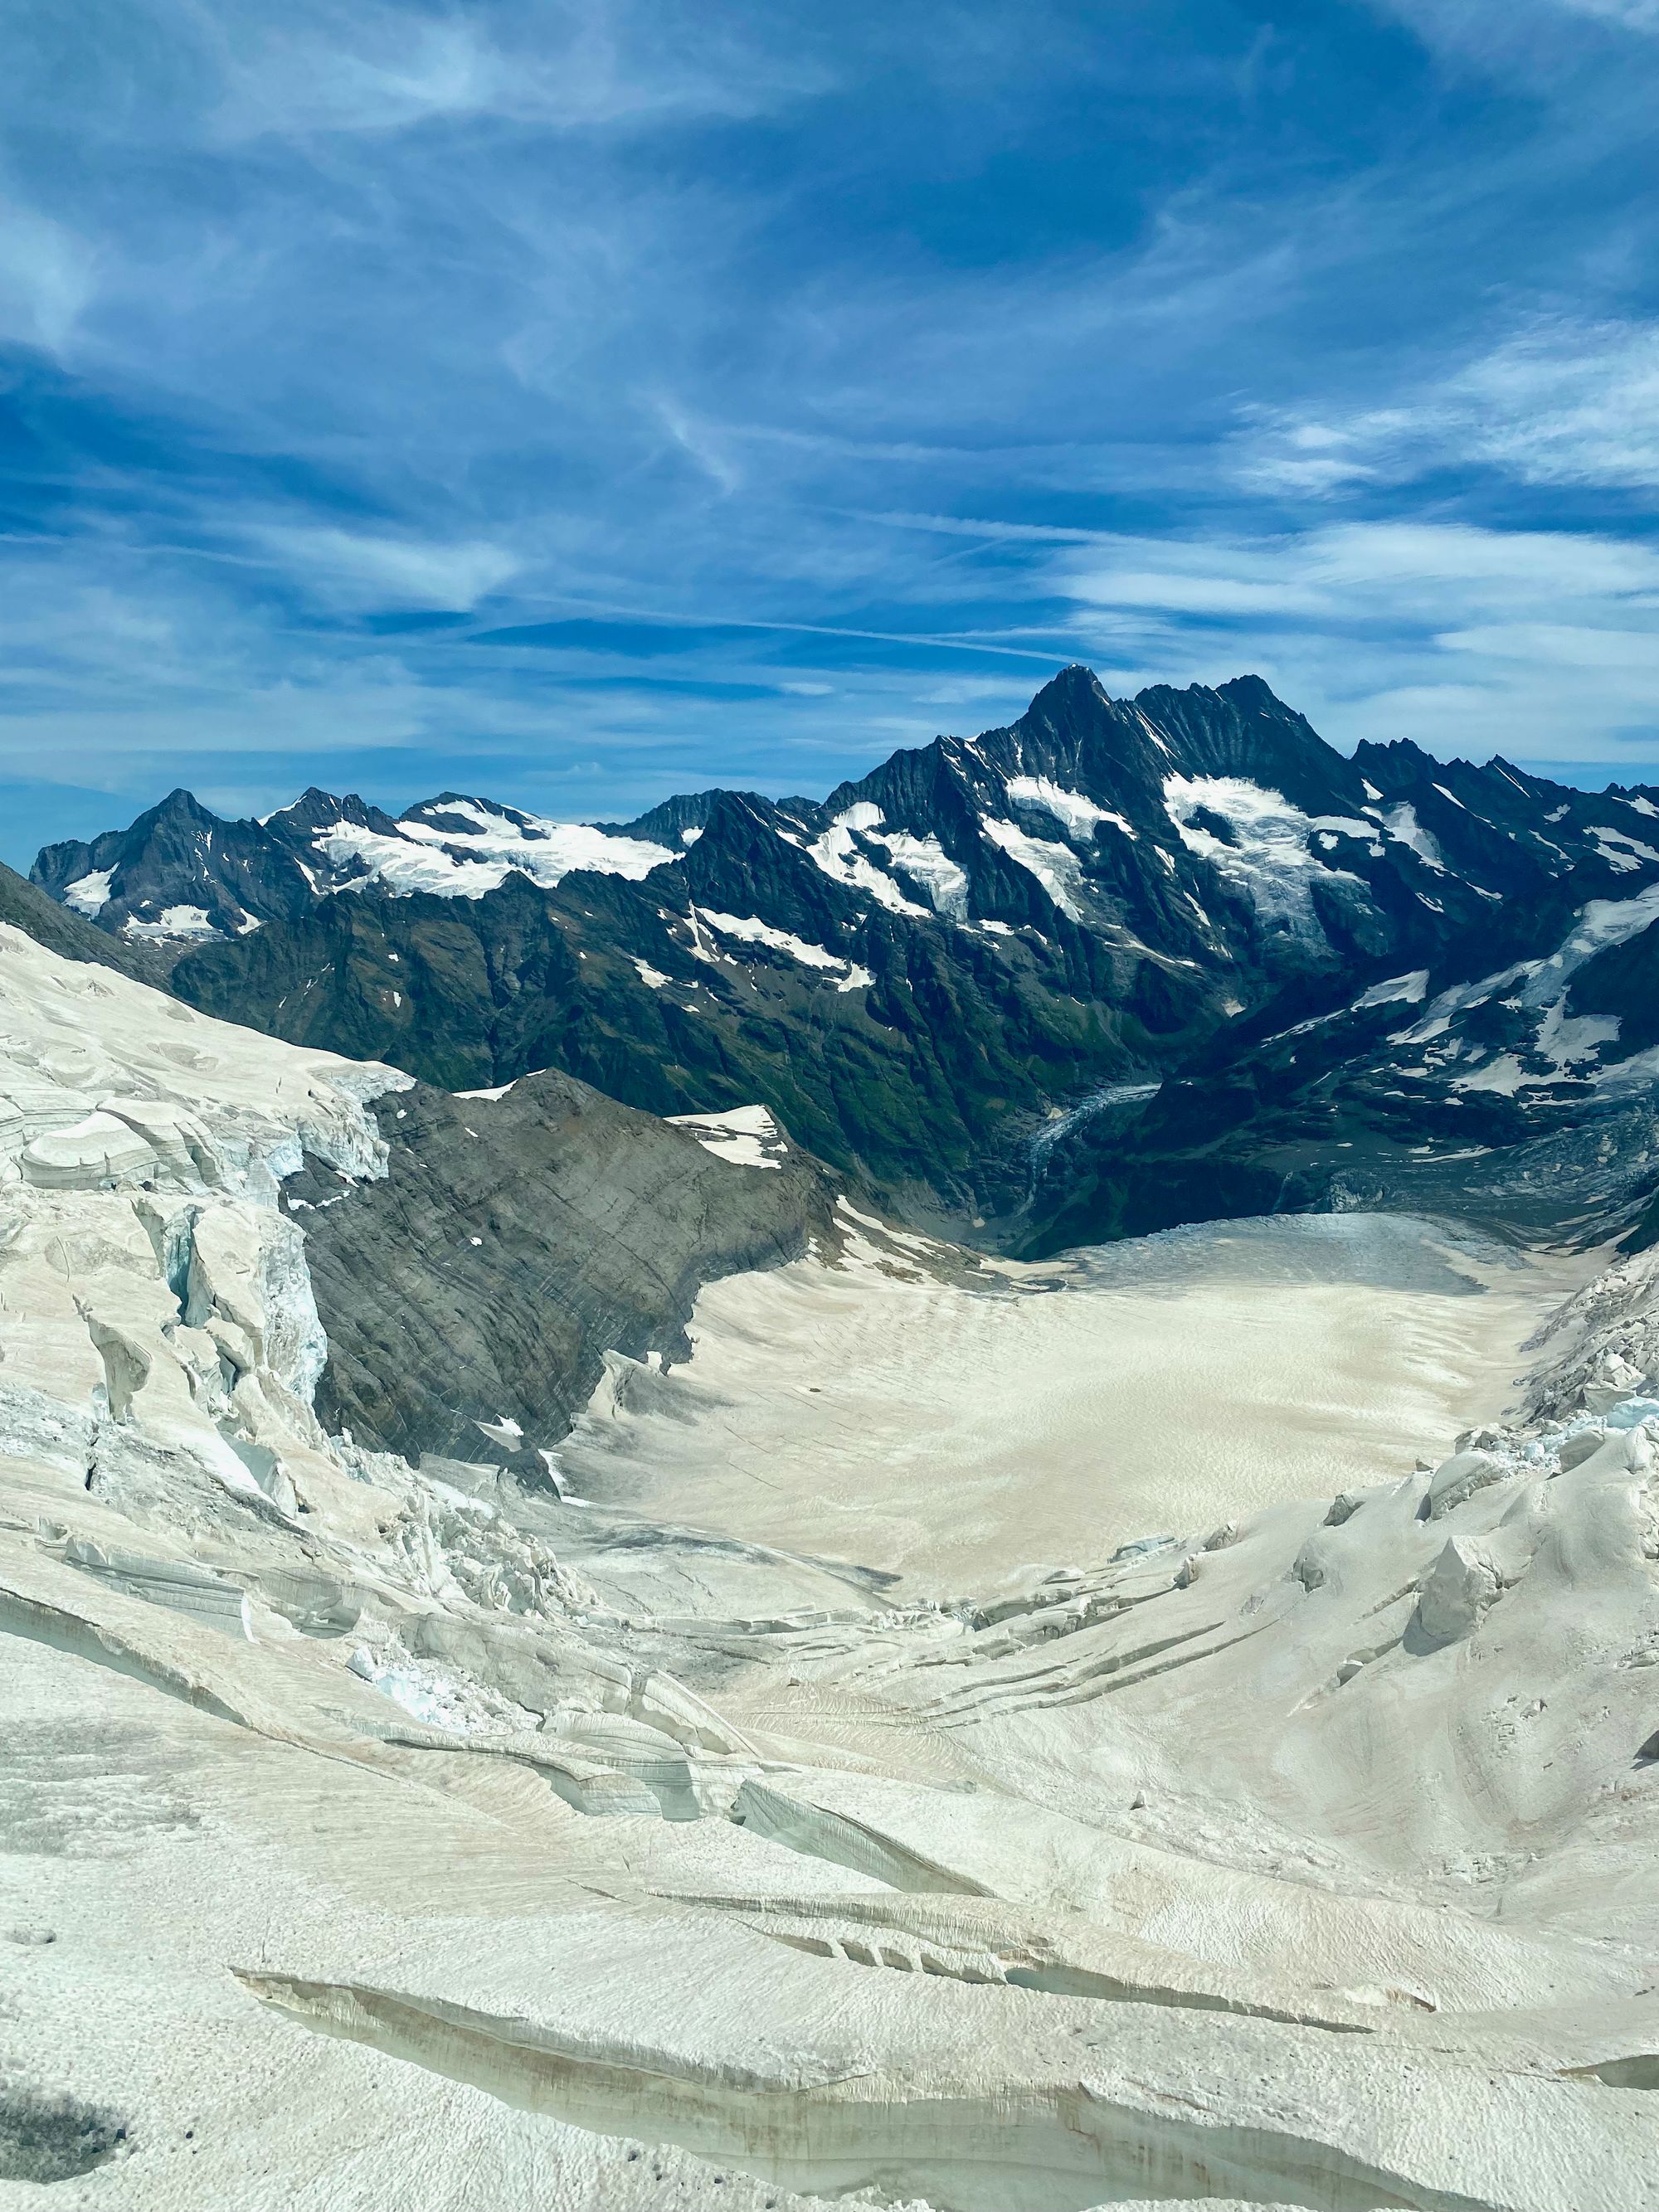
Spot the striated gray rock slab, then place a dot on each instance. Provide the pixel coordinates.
(469, 1297)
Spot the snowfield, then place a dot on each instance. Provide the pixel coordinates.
(956, 1432)
(975, 1738)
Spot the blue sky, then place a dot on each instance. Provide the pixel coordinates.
(582, 402)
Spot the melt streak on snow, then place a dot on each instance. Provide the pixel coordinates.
(374, 1838)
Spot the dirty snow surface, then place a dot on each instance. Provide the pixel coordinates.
(956, 1430)
(987, 1739)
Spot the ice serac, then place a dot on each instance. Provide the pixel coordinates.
(147, 1272)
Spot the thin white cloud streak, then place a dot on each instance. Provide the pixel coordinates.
(1541, 645)
(140, 677)
(1559, 402)
(347, 568)
(1634, 14)
(1552, 47)
(1393, 571)
(47, 278)
(240, 71)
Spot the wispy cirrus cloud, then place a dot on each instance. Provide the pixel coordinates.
(1559, 402)
(344, 568)
(1634, 14)
(1468, 639)
(316, 66)
(47, 276)
(602, 397)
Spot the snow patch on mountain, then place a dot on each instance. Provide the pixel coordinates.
(466, 862)
(926, 861)
(1561, 1046)
(747, 1136)
(1269, 853)
(1080, 814)
(1403, 823)
(749, 929)
(172, 921)
(1621, 851)
(403, 865)
(1055, 867)
(1567, 1042)
(89, 894)
(1407, 990)
(835, 852)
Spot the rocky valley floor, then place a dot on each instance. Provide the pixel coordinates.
(947, 1747)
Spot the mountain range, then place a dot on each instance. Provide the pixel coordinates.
(1118, 964)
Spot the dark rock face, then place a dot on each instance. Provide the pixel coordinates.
(512, 1242)
(979, 935)
(176, 857)
(1524, 1097)
(24, 906)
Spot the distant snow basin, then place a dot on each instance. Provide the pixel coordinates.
(1173, 1383)
(452, 863)
(175, 921)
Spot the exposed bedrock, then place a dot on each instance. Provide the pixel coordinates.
(470, 1296)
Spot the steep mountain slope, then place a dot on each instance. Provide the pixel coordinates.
(179, 874)
(900, 1051)
(514, 1243)
(24, 906)
(916, 973)
(1524, 1099)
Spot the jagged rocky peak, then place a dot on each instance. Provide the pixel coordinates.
(178, 873)
(316, 811)
(181, 874)
(1024, 826)
(676, 821)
